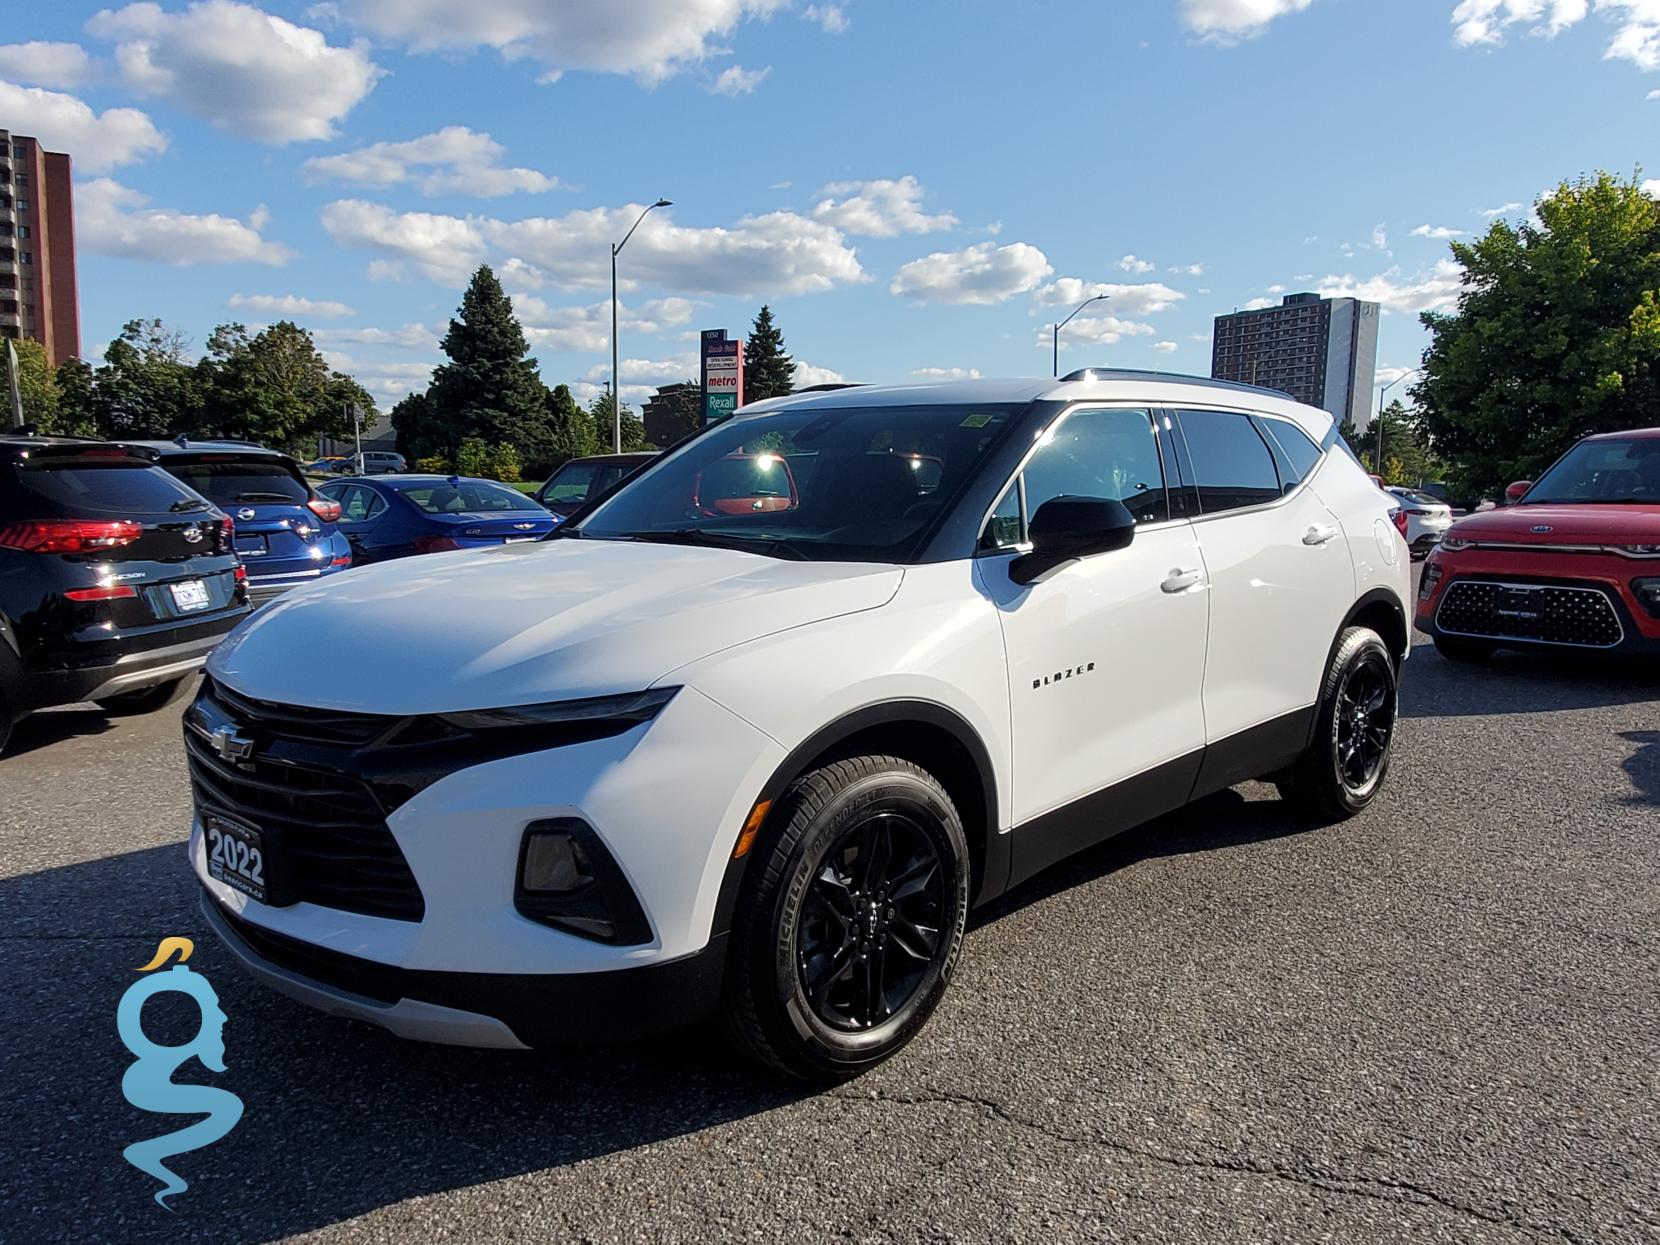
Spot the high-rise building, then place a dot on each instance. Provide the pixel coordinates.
(1322, 351)
(37, 248)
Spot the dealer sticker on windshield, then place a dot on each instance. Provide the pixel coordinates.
(976, 421)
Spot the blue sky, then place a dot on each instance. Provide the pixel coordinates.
(914, 187)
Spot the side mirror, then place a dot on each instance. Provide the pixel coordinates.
(1516, 492)
(1068, 528)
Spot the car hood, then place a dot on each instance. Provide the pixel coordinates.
(527, 623)
(1587, 524)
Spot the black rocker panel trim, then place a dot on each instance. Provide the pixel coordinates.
(1253, 752)
(992, 872)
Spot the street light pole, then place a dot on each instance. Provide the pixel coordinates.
(616, 400)
(1097, 298)
(1382, 390)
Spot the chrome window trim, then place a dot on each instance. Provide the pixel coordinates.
(1241, 409)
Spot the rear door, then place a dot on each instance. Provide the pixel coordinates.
(1278, 566)
(362, 514)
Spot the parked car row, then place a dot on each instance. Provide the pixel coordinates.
(375, 462)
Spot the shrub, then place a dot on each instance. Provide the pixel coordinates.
(503, 464)
(433, 465)
(473, 459)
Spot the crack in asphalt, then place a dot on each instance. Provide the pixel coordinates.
(1352, 1186)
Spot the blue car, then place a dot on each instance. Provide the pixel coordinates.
(285, 532)
(394, 516)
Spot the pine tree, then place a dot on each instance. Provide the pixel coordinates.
(768, 371)
(490, 389)
(604, 432)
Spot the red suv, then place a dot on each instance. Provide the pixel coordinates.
(1574, 563)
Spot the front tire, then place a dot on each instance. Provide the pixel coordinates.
(850, 920)
(145, 700)
(1354, 731)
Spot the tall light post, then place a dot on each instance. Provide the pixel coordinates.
(616, 399)
(1097, 298)
(1383, 389)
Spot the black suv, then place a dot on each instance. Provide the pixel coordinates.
(115, 578)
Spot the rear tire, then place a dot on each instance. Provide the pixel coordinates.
(1454, 649)
(850, 920)
(1354, 732)
(145, 700)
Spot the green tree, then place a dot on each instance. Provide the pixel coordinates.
(571, 433)
(146, 387)
(274, 388)
(1404, 440)
(604, 432)
(419, 432)
(678, 412)
(1557, 334)
(768, 371)
(77, 399)
(490, 388)
(472, 458)
(37, 383)
(502, 463)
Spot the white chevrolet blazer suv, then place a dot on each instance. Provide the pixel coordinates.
(754, 730)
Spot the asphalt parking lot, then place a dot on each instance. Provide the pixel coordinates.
(1438, 1022)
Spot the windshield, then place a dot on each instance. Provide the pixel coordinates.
(465, 497)
(232, 483)
(1612, 471)
(857, 484)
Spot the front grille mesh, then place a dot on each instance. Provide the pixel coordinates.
(1550, 614)
(324, 831)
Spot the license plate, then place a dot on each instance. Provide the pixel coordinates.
(1516, 603)
(251, 546)
(514, 540)
(235, 854)
(192, 594)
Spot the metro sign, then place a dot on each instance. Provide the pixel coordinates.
(723, 374)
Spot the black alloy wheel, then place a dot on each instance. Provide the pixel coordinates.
(870, 926)
(1364, 726)
(1347, 758)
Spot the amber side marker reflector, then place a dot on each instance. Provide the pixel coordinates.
(752, 827)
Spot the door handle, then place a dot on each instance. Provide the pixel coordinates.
(1180, 581)
(1319, 534)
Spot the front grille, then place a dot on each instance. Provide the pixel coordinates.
(294, 722)
(324, 831)
(1545, 613)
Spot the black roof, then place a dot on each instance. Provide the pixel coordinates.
(181, 446)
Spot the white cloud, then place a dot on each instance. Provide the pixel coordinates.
(46, 64)
(446, 248)
(388, 381)
(1205, 338)
(1439, 232)
(1165, 347)
(1504, 209)
(112, 219)
(1139, 267)
(588, 328)
(1653, 95)
(947, 373)
(1636, 36)
(1261, 304)
(1389, 375)
(1227, 21)
(884, 208)
(239, 67)
(651, 372)
(98, 141)
(408, 337)
(1276, 289)
(736, 80)
(1143, 299)
(650, 39)
(289, 306)
(784, 185)
(1652, 188)
(453, 160)
(1187, 270)
(1433, 289)
(1100, 330)
(981, 274)
(830, 17)
(807, 374)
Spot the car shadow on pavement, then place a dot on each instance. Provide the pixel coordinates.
(340, 1119)
(42, 730)
(1433, 687)
(1643, 766)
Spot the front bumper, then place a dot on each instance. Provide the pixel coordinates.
(1609, 576)
(503, 1011)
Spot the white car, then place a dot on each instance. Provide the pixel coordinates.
(1427, 519)
(754, 733)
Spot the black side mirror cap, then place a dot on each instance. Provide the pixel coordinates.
(1067, 528)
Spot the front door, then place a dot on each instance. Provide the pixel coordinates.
(1106, 657)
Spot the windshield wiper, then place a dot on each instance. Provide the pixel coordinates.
(720, 540)
(187, 503)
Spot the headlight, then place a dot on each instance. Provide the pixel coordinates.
(1636, 551)
(1452, 544)
(629, 709)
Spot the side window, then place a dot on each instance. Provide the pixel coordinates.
(1232, 465)
(354, 503)
(1294, 454)
(1101, 453)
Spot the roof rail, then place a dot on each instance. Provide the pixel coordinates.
(1172, 378)
(828, 386)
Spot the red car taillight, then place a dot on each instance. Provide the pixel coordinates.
(1397, 516)
(115, 592)
(434, 544)
(326, 510)
(70, 535)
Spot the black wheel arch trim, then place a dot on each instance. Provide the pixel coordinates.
(993, 861)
